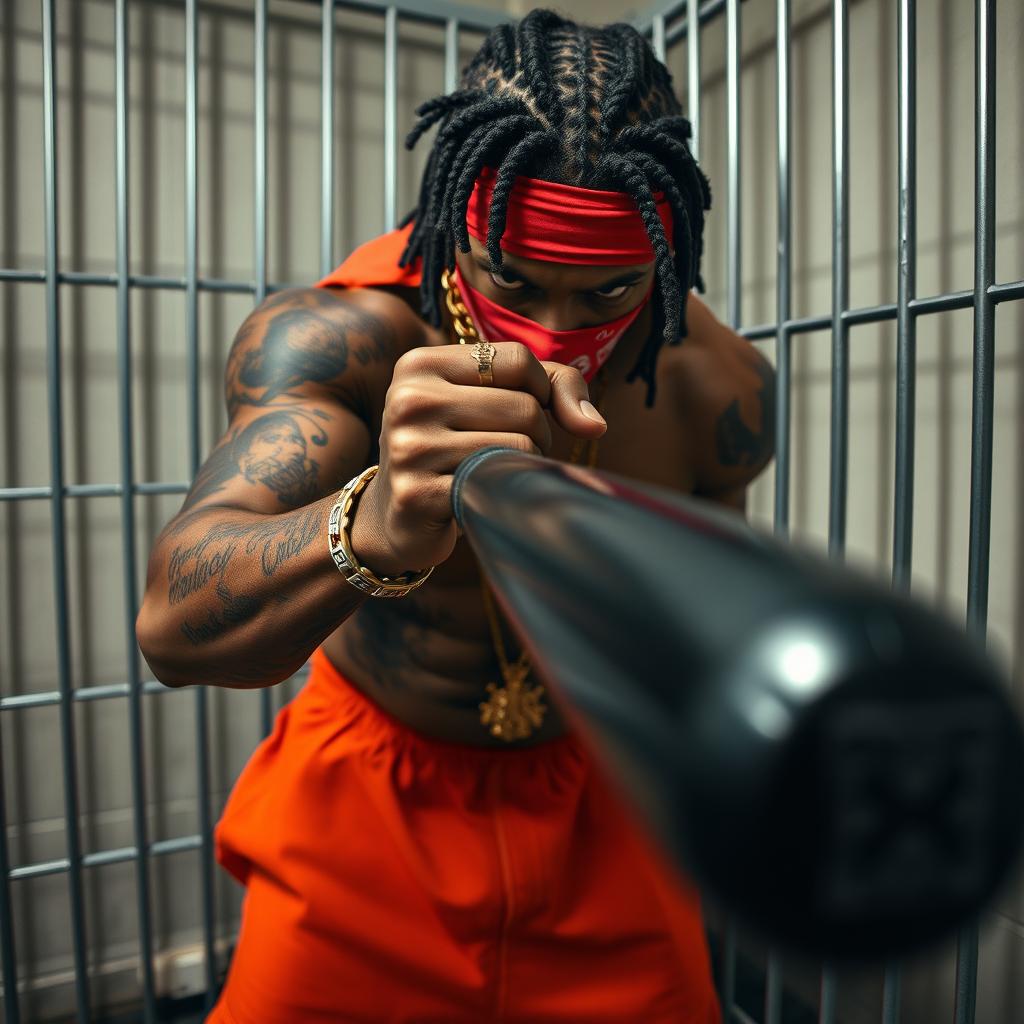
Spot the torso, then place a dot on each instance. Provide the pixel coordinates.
(427, 658)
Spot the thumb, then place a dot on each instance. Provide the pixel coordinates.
(570, 402)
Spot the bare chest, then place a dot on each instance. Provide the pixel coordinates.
(428, 658)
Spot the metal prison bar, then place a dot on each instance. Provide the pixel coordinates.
(681, 15)
(908, 306)
(452, 17)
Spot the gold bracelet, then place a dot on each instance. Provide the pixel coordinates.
(340, 545)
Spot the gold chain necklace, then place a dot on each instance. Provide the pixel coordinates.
(513, 711)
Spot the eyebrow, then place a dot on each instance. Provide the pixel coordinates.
(631, 277)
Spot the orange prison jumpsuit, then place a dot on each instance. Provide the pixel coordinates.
(392, 877)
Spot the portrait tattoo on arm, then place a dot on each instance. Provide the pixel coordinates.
(301, 338)
(272, 451)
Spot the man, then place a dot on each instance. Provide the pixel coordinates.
(414, 848)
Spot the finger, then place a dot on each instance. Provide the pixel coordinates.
(570, 402)
(502, 410)
(466, 442)
(513, 366)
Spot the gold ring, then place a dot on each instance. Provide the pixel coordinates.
(483, 353)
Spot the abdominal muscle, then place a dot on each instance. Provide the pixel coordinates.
(427, 658)
(429, 663)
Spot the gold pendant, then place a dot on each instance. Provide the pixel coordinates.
(514, 710)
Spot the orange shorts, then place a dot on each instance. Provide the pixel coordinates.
(392, 877)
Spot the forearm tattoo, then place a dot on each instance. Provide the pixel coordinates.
(201, 566)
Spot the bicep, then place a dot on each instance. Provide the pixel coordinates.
(276, 459)
(299, 386)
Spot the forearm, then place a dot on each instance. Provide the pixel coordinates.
(240, 599)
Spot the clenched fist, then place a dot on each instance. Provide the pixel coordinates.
(436, 412)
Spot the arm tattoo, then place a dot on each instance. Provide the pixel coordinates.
(191, 567)
(737, 444)
(271, 451)
(233, 610)
(299, 338)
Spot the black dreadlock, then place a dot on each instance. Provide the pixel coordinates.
(574, 104)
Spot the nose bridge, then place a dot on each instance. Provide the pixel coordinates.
(560, 313)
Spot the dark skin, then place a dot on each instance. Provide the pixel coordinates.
(241, 588)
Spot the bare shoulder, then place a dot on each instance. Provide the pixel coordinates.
(306, 342)
(726, 390)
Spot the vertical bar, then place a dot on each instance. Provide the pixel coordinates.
(906, 359)
(729, 971)
(693, 73)
(783, 274)
(390, 118)
(57, 517)
(732, 33)
(8, 956)
(891, 992)
(451, 55)
(732, 57)
(201, 696)
(260, 219)
(982, 411)
(773, 990)
(840, 278)
(827, 997)
(839, 441)
(906, 333)
(260, 154)
(658, 36)
(326, 137)
(124, 373)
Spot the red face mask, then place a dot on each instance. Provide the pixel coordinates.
(586, 348)
(559, 223)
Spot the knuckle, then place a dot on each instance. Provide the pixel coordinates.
(406, 445)
(404, 492)
(406, 401)
(415, 360)
(522, 356)
(515, 356)
(524, 444)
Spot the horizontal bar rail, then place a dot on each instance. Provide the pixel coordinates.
(886, 311)
(105, 857)
(90, 491)
(205, 284)
(1004, 292)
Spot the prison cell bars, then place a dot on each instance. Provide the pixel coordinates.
(452, 17)
(983, 297)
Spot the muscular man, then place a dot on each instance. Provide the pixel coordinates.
(404, 860)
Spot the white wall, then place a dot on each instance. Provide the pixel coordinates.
(85, 80)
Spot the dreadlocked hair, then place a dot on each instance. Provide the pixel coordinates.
(574, 104)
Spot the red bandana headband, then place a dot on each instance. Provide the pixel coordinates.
(567, 224)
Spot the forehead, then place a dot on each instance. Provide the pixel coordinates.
(568, 274)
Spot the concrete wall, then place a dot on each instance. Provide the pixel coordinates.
(85, 82)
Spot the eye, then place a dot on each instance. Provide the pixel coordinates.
(501, 281)
(613, 292)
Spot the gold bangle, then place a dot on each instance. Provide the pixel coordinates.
(339, 543)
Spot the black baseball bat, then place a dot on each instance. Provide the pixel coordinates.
(835, 762)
